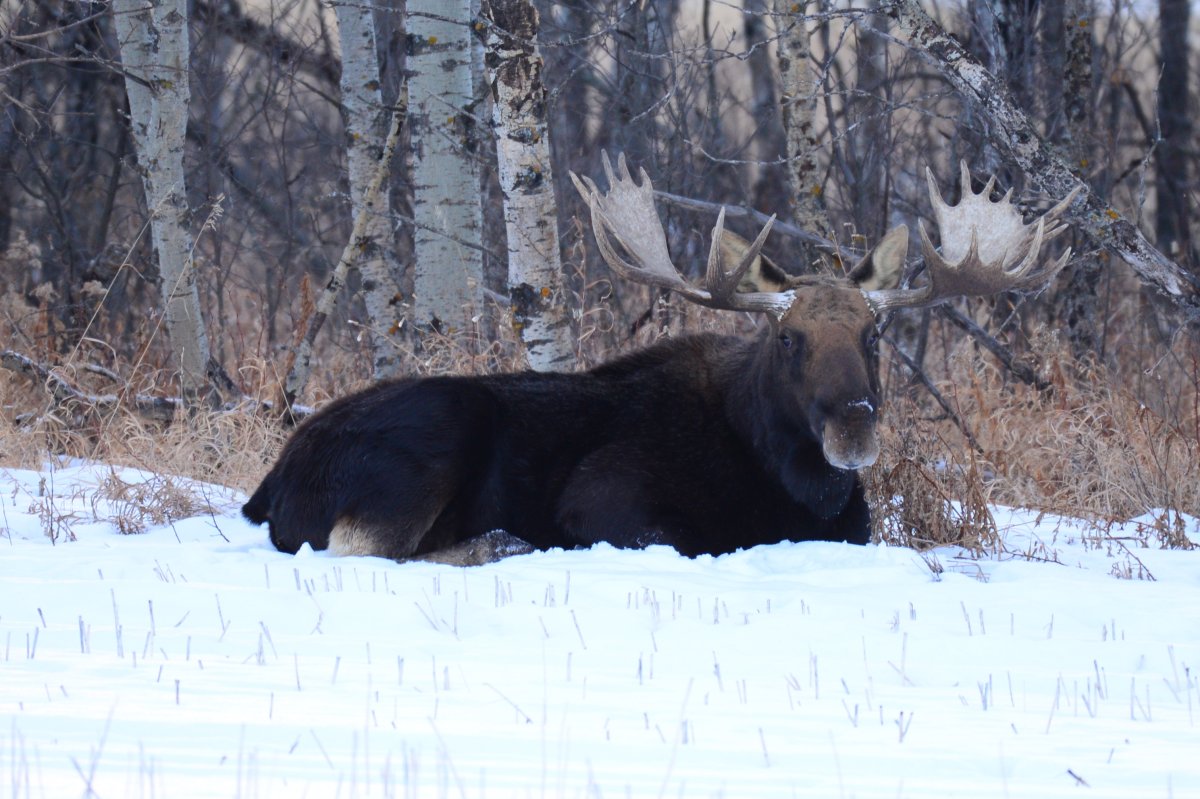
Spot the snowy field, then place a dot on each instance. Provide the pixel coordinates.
(194, 660)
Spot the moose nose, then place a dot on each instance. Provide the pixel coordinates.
(849, 439)
(860, 409)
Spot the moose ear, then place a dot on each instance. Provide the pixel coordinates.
(883, 266)
(763, 275)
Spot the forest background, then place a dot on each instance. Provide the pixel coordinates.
(214, 215)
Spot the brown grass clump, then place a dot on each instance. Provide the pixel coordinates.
(134, 506)
(925, 491)
(229, 447)
(1088, 448)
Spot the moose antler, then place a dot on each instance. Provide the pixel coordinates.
(986, 248)
(626, 213)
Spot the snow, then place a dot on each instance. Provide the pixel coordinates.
(194, 660)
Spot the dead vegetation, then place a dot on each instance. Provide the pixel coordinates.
(1101, 443)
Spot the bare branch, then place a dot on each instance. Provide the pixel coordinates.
(298, 370)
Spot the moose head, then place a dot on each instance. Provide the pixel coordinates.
(819, 356)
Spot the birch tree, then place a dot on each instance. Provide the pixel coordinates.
(523, 154)
(798, 101)
(448, 270)
(770, 191)
(153, 36)
(299, 365)
(365, 123)
(867, 148)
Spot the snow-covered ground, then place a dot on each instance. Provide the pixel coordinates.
(194, 660)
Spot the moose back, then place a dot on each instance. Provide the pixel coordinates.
(705, 443)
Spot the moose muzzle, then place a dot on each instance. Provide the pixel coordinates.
(849, 437)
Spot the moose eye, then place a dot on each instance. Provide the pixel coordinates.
(871, 338)
(792, 343)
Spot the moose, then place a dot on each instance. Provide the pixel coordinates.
(707, 443)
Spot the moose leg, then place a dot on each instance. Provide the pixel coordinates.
(609, 498)
(487, 548)
(395, 538)
(400, 505)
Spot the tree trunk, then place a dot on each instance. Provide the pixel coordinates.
(1017, 20)
(989, 44)
(798, 100)
(1052, 31)
(300, 362)
(770, 192)
(642, 64)
(1079, 299)
(868, 130)
(1079, 20)
(154, 49)
(1015, 135)
(523, 154)
(365, 119)
(1171, 159)
(448, 269)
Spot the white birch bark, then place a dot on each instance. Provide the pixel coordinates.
(523, 155)
(300, 365)
(1015, 134)
(798, 101)
(365, 119)
(448, 268)
(798, 93)
(153, 36)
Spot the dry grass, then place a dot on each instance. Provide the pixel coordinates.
(134, 506)
(925, 490)
(233, 448)
(1090, 448)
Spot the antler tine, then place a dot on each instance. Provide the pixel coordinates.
(986, 248)
(1057, 210)
(1026, 267)
(723, 285)
(935, 193)
(626, 212)
(608, 170)
(715, 270)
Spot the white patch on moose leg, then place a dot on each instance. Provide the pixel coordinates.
(349, 538)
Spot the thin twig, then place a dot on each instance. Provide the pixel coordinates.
(1022, 370)
(161, 409)
(920, 375)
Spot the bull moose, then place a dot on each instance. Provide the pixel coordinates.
(707, 443)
